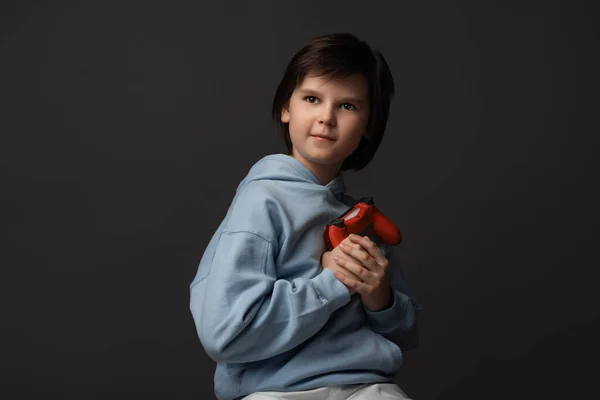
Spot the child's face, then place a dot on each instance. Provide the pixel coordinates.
(337, 109)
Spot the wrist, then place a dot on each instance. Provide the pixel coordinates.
(385, 302)
(324, 259)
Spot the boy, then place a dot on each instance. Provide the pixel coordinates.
(282, 317)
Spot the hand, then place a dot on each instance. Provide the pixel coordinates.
(365, 271)
(328, 262)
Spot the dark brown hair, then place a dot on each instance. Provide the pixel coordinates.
(339, 55)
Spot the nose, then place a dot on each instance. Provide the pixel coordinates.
(327, 116)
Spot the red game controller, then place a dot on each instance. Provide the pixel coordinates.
(363, 219)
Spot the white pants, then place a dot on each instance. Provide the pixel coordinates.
(371, 391)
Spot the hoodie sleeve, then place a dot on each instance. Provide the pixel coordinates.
(244, 313)
(401, 316)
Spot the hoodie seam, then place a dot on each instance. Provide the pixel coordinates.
(318, 292)
(228, 231)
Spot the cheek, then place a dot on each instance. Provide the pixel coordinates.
(354, 126)
(296, 130)
(298, 124)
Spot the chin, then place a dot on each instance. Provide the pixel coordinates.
(322, 158)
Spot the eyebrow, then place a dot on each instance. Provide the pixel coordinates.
(316, 93)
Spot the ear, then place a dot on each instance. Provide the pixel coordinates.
(285, 114)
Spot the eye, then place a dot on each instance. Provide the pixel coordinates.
(351, 106)
(311, 99)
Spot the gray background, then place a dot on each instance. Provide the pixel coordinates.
(126, 127)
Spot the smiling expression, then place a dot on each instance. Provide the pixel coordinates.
(327, 119)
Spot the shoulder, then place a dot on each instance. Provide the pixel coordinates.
(255, 209)
(258, 194)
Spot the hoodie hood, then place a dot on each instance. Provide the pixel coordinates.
(281, 167)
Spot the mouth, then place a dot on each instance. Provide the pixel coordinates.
(322, 137)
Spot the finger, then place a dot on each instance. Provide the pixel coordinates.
(363, 274)
(352, 284)
(371, 247)
(360, 255)
(349, 242)
(342, 263)
(355, 286)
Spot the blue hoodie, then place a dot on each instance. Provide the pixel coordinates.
(264, 308)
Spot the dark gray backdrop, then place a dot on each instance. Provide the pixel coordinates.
(126, 127)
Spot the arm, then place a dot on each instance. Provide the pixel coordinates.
(243, 313)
